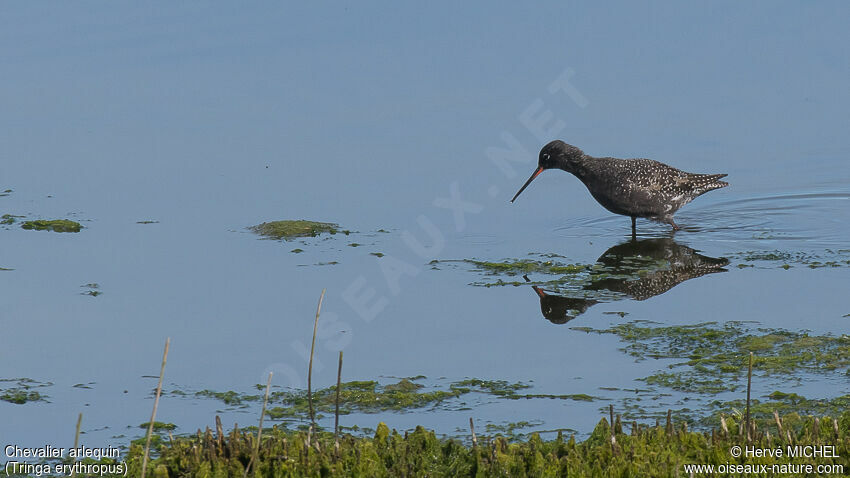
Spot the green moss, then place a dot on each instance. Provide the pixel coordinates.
(377, 254)
(297, 250)
(289, 229)
(56, 225)
(355, 244)
(644, 450)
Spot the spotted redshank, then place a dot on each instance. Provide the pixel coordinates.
(631, 187)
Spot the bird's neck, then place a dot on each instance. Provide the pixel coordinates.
(577, 166)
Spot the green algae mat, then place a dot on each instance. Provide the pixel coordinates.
(290, 229)
(55, 225)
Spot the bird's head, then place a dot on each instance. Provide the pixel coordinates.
(556, 154)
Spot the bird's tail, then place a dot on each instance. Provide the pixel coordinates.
(707, 182)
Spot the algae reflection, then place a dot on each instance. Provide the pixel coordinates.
(635, 269)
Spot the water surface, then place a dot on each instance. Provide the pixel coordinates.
(211, 120)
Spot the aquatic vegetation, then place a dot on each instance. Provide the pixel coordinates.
(636, 269)
(377, 254)
(661, 450)
(20, 396)
(791, 405)
(22, 390)
(159, 426)
(5, 192)
(620, 313)
(360, 396)
(55, 225)
(290, 229)
(512, 267)
(229, 398)
(8, 219)
(509, 430)
(786, 260)
(297, 250)
(559, 275)
(147, 222)
(5, 269)
(713, 357)
(93, 289)
(370, 396)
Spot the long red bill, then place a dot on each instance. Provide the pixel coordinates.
(536, 173)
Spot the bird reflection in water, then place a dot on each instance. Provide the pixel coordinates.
(636, 269)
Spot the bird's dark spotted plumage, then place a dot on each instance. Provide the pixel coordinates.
(631, 187)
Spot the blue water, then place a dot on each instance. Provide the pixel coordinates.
(212, 118)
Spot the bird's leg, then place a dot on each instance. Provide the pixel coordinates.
(675, 226)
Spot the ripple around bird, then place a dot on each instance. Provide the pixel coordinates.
(815, 217)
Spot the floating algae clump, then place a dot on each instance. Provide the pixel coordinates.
(291, 229)
(513, 267)
(55, 225)
(19, 397)
(361, 396)
(21, 390)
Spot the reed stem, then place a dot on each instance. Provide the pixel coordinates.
(155, 406)
(310, 370)
(77, 435)
(474, 438)
(336, 411)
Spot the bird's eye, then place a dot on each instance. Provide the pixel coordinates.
(546, 157)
